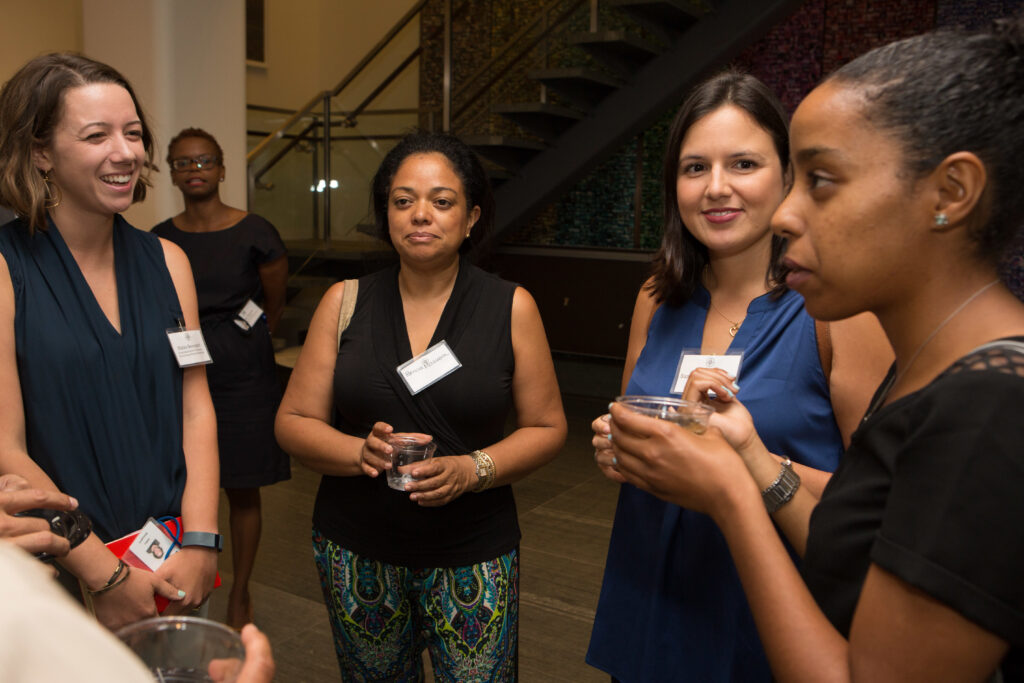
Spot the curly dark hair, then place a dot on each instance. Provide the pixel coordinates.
(194, 133)
(464, 162)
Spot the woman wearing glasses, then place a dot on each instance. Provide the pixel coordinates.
(241, 269)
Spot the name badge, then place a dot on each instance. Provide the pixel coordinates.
(692, 359)
(431, 366)
(152, 546)
(189, 348)
(247, 317)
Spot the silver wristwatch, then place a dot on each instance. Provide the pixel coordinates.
(781, 491)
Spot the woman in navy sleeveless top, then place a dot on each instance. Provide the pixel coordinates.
(671, 605)
(94, 401)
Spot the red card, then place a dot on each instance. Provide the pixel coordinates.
(120, 548)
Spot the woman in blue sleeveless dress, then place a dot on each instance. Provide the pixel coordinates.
(92, 399)
(671, 605)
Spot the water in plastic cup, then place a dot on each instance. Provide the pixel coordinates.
(182, 649)
(689, 414)
(409, 450)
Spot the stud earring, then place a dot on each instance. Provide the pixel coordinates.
(941, 220)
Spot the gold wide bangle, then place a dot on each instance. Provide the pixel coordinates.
(484, 470)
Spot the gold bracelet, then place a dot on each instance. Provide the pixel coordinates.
(119, 576)
(484, 470)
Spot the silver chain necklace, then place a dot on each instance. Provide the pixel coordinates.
(902, 373)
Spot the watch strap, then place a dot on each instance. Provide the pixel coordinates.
(782, 490)
(202, 539)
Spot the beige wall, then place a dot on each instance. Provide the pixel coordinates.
(186, 60)
(29, 28)
(312, 44)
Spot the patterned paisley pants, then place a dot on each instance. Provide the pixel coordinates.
(383, 616)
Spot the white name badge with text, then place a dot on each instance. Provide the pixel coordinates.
(248, 316)
(189, 348)
(432, 365)
(691, 359)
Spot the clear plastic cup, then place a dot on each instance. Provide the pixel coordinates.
(409, 450)
(689, 414)
(182, 649)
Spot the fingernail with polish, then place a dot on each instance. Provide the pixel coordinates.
(181, 593)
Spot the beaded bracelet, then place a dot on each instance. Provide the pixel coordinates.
(119, 576)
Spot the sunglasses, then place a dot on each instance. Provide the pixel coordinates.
(200, 162)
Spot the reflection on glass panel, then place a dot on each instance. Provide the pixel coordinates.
(282, 195)
(356, 153)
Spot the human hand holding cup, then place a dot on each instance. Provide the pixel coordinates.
(407, 451)
(691, 415)
(690, 467)
(183, 649)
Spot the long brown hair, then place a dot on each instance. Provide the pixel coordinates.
(31, 105)
(679, 263)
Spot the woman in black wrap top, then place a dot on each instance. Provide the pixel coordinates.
(457, 523)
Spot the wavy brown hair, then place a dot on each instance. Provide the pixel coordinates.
(31, 105)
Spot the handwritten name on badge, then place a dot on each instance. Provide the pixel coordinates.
(429, 367)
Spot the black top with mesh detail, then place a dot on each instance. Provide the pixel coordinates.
(931, 489)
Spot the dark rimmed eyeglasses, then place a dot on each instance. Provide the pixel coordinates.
(200, 162)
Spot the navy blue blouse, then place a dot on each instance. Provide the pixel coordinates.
(103, 410)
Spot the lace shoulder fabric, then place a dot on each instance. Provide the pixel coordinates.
(1004, 356)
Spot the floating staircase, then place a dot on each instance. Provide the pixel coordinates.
(636, 76)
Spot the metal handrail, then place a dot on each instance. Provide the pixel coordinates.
(350, 118)
(378, 48)
(257, 175)
(279, 131)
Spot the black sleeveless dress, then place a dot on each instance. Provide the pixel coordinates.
(243, 379)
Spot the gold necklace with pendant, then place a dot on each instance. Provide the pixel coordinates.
(735, 326)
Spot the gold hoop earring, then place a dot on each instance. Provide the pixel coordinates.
(53, 193)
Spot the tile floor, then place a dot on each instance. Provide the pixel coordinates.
(565, 511)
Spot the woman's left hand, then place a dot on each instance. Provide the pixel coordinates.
(192, 570)
(441, 480)
(674, 464)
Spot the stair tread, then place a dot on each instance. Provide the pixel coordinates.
(501, 141)
(620, 38)
(543, 108)
(580, 73)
